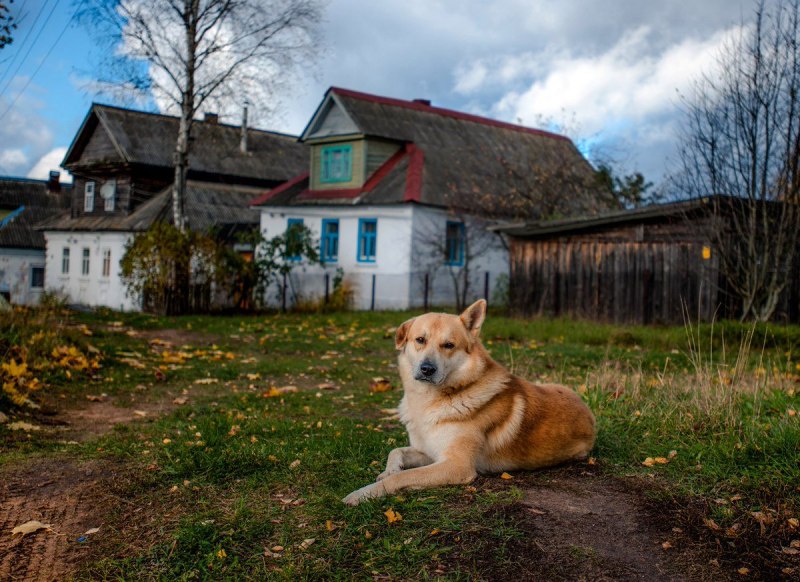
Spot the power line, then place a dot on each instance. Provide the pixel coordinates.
(28, 32)
(44, 59)
(33, 44)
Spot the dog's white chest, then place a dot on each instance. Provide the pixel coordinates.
(425, 432)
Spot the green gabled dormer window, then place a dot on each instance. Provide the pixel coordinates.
(337, 164)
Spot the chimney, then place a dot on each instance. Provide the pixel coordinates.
(212, 118)
(426, 102)
(54, 181)
(243, 142)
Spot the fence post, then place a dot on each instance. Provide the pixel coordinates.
(486, 286)
(283, 294)
(425, 300)
(327, 279)
(372, 304)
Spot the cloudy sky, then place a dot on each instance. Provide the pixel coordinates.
(608, 72)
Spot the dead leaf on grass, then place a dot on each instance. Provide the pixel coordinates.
(506, 476)
(206, 381)
(392, 515)
(380, 384)
(22, 425)
(141, 413)
(307, 543)
(180, 400)
(666, 545)
(96, 397)
(30, 527)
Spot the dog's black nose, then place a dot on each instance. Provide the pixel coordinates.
(427, 369)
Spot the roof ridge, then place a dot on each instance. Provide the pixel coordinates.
(30, 180)
(200, 121)
(417, 106)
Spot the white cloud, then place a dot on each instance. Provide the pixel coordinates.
(12, 157)
(24, 133)
(49, 161)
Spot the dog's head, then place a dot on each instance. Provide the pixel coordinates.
(437, 348)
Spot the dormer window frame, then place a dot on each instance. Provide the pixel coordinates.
(336, 163)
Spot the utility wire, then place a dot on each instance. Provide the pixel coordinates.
(21, 46)
(41, 63)
(33, 44)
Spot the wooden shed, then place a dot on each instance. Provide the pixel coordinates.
(641, 266)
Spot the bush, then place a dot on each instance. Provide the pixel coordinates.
(37, 346)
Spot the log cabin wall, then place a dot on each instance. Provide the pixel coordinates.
(640, 274)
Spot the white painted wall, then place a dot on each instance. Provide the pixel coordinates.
(15, 274)
(93, 289)
(401, 259)
(391, 266)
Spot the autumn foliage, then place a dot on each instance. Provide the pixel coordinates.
(37, 346)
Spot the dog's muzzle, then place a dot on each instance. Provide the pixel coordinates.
(426, 371)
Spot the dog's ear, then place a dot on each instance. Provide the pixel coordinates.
(401, 335)
(473, 317)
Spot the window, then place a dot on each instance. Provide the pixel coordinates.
(65, 261)
(106, 262)
(329, 251)
(293, 250)
(37, 277)
(367, 239)
(336, 164)
(454, 244)
(108, 193)
(88, 198)
(85, 262)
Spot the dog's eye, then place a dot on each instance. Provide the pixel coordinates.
(420, 340)
(449, 345)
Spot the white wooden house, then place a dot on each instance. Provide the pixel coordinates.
(394, 191)
(23, 203)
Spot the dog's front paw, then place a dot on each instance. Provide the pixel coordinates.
(367, 492)
(388, 472)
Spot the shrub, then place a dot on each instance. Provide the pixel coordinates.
(37, 346)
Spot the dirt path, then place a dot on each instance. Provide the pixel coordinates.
(71, 495)
(591, 528)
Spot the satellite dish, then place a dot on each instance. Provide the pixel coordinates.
(108, 189)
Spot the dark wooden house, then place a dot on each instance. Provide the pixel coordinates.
(122, 165)
(650, 265)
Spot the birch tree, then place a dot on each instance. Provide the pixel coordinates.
(187, 55)
(741, 150)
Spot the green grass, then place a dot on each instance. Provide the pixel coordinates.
(223, 470)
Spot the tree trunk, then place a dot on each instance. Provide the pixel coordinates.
(190, 17)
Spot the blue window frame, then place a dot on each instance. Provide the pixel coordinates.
(367, 239)
(337, 164)
(329, 243)
(291, 240)
(454, 244)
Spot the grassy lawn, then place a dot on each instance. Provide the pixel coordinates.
(271, 421)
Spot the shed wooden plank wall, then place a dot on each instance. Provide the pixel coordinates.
(619, 281)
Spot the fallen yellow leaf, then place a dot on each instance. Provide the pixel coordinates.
(506, 476)
(743, 571)
(380, 385)
(392, 515)
(30, 527)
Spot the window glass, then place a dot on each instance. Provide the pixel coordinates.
(37, 277)
(336, 164)
(293, 239)
(65, 260)
(454, 243)
(329, 251)
(85, 262)
(367, 239)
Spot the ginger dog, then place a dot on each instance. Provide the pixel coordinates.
(466, 414)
